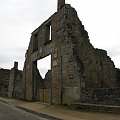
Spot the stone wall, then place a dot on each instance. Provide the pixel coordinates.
(118, 77)
(4, 80)
(4, 74)
(15, 82)
(95, 66)
(48, 80)
(17, 93)
(44, 88)
(75, 65)
(38, 83)
(40, 46)
(103, 96)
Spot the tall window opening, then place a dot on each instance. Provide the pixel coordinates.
(48, 33)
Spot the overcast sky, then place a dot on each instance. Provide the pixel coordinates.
(18, 18)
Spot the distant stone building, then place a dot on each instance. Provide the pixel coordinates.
(76, 66)
(15, 82)
(4, 82)
(11, 82)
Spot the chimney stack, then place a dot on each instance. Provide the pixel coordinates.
(16, 65)
(61, 3)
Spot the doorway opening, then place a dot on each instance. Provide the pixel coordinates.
(44, 91)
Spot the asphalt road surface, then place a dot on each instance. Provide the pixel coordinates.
(8, 112)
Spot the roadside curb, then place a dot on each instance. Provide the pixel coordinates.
(38, 113)
(97, 108)
(33, 112)
(4, 101)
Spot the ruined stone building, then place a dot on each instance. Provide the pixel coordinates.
(4, 81)
(79, 72)
(11, 82)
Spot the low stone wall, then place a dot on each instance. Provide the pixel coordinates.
(102, 96)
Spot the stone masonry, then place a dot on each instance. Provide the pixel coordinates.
(75, 63)
(79, 72)
(15, 82)
(4, 81)
(11, 82)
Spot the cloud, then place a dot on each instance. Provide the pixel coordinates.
(10, 55)
(114, 51)
(20, 11)
(4, 59)
(5, 62)
(18, 50)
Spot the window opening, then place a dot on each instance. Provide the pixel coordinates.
(48, 33)
(44, 65)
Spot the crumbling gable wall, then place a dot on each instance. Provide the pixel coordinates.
(97, 68)
(75, 65)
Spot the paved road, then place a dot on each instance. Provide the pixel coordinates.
(8, 112)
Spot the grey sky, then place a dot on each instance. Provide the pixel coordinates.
(18, 18)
